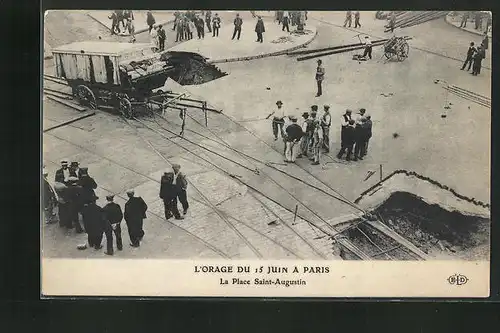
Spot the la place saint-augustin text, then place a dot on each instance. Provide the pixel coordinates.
(262, 270)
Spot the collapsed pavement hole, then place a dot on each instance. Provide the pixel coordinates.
(433, 229)
(191, 68)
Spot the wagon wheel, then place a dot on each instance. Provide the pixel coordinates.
(388, 54)
(125, 107)
(403, 52)
(85, 96)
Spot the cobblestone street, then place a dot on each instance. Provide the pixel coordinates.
(236, 212)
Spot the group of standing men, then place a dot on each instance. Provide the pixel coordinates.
(312, 135)
(126, 19)
(475, 56)
(348, 19)
(73, 195)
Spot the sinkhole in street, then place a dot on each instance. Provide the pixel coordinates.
(191, 68)
(439, 231)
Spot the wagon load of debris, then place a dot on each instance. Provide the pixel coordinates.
(191, 68)
(413, 210)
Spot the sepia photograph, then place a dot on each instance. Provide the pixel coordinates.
(206, 137)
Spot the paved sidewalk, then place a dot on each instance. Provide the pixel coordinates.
(455, 21)
(223, 49)
(161, 17)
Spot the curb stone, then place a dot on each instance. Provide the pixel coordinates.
(469, 31)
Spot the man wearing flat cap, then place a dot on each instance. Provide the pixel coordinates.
(278, 119)
(63, 173)
(113, 215)
(326, 121)
(135, 213)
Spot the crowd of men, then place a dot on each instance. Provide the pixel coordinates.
(73, 196)
(311, 136)
(475, 56)
(479, 18)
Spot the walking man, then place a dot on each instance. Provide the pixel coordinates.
(208, 20)
(216, 25)
(320, 75)
(392, 22)
(238, 22)
(114, 23)
(135, 213)
(293, 136)
(168, 193)
(286, 22)
(356, 20)
(259, 29)
(278, 120)
(326, 121)
(348, 18)
(470, 55)
(150, 20)
(180, 183)
(465, 17)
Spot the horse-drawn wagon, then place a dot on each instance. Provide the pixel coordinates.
(396, 47)
(121, 75)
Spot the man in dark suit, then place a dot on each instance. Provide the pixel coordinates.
(259, 29)
(238, 22)
(74, 170)
(168, 193)
(75, 202)
(135, 213)
(347, 141)
(88, 185)
(180, 183)
(95, 224)
(63, 173)
(113, 215)
(470, 56)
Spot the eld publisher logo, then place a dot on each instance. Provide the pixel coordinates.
(458, 279)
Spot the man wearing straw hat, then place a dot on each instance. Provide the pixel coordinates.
(278, 119)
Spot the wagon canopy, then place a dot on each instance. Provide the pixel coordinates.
(96, 61)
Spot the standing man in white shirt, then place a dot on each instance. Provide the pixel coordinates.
(326, 121)
(62, 174)
(278, 119)
(368, 47)
(360, 115)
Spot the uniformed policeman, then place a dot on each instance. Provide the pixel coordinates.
(326, 121)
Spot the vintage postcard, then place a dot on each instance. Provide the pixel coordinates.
(266, 153)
